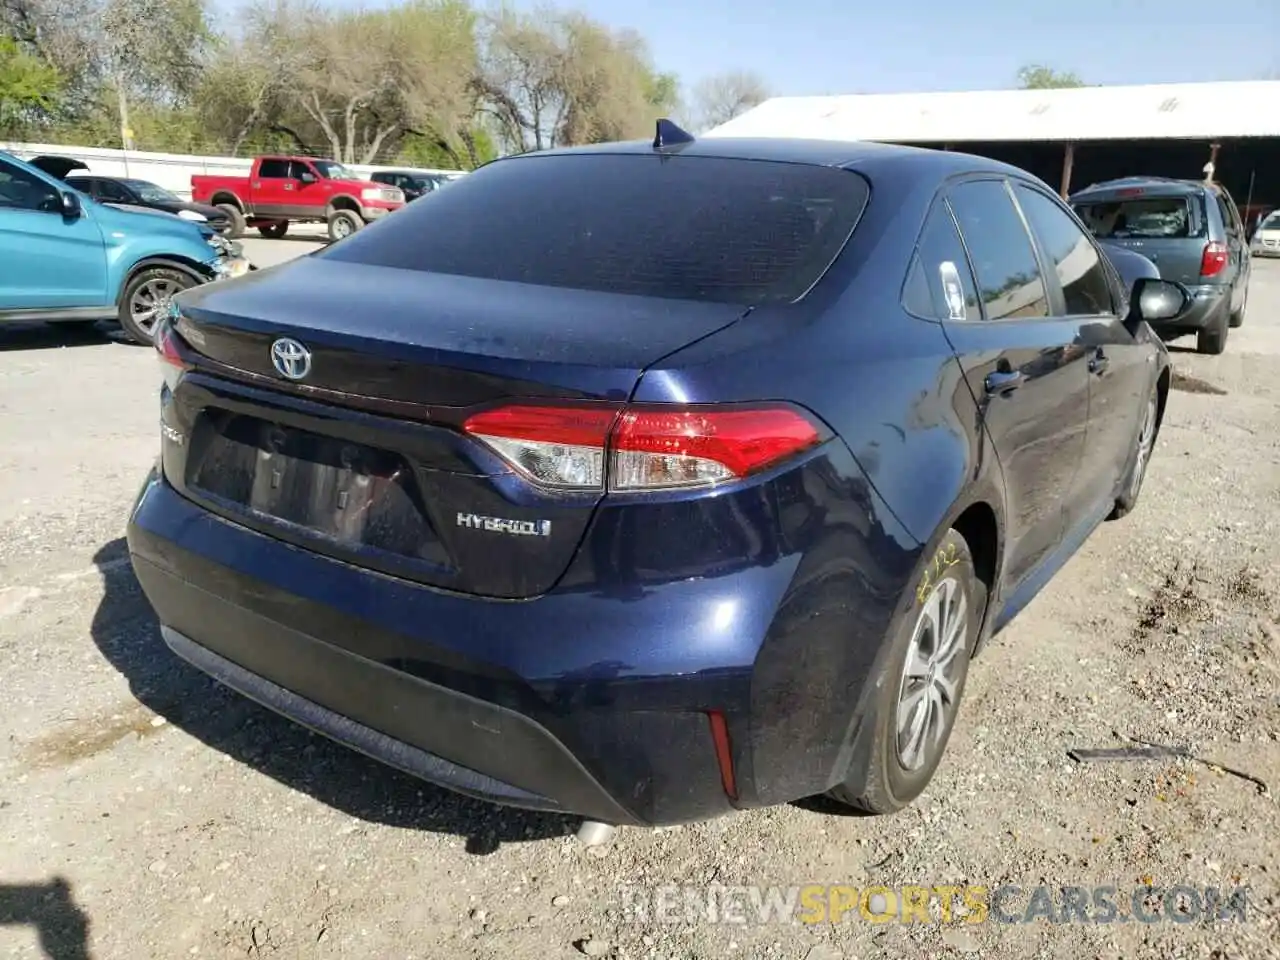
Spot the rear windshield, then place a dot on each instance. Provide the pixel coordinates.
(1140, 218)
(696, 228)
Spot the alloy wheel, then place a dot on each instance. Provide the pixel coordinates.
(150, 302)
(928, 694)
(1142, 456)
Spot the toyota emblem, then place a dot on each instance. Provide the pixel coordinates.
(290, 358)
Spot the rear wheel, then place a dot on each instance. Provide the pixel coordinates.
(235, 229)
(146, 299)
(343, 223)
(918, 692)
(1213, 339)
(1237, 318)
(274, 231)
(1139, 459)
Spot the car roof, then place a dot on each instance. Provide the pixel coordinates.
(872, 157)
(1156, 186)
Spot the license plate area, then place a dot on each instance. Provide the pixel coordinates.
(347, 494)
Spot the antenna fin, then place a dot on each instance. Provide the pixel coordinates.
(669, 134)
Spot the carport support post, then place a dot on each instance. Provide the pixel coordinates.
(1211, 168)
(1068, 161)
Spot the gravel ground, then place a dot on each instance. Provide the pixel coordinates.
(148, 813)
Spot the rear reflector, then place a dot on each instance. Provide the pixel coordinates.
(724, 753)
(1213, 259)
(651, 448)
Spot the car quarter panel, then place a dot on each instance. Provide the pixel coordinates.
(890, 387)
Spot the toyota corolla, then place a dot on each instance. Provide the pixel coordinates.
(685, 477)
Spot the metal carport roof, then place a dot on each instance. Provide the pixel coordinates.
(1189, 111)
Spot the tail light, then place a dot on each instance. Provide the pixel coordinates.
(166, 345)
(643, 448)
(1213, 259)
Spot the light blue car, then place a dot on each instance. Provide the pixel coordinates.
(66, 258)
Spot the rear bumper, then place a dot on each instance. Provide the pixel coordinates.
(345, 680)
(1208, 305)
(584, 701)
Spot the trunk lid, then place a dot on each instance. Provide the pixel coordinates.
(362, 458)
(1167, 227)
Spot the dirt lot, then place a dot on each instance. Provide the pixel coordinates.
(145, 812)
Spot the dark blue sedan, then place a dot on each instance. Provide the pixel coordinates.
(650, 481)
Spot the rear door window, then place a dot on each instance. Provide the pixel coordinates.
(1227, 209)
(1139, 218)
(698, 228)
(940, 285)
(1004, 260)
(274, 169)
(112, 192)
(1081, 273)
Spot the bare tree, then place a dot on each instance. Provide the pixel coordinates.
(520, 78)
(364, 78)
(154, 49)
(435, 58)
(720, 98)
(554, 77)
(250, 84)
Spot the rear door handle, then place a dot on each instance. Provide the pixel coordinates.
(1004, 381)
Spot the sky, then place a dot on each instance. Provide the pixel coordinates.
(828, 47)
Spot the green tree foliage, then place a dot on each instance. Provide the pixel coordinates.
(1036, 76)
(434, 83)
(29, 87)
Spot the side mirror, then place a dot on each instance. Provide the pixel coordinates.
(306, 176)
(65, 203)
(1155, 300)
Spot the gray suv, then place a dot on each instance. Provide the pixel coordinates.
(1191, 231)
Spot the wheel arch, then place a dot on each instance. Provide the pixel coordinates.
(342, 201)
(229, 198)
(1163, 383)
(199, 272)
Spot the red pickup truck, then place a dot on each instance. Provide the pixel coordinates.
(284, 190)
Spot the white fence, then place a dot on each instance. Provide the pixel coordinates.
(172, 171)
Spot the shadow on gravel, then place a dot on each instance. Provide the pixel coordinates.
(253, 234)
(63, 928)
(125, 630)
(1189, 384)
(828, 807)
(53, 336)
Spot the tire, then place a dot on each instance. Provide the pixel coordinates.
(343, 223)
(895, 775)
(274, 231)
(1139, 458)
(1237, 318)
(1213, 340)
(235, 227)
(163, 283)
